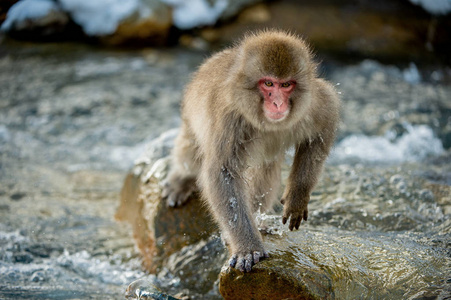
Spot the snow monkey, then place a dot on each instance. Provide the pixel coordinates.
(243, 109)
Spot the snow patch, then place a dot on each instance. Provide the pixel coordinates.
(99, 17)
(194, 13)
(411, 74)
(28, 10)
(435, 7)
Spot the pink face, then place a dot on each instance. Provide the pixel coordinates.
(276, 93)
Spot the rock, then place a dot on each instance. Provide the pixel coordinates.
(160, 231)
(185, 241)
(327, 258)
(153, 29)
(35, 19)
(276, 278)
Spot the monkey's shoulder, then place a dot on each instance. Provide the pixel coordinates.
(218, 65)
(326, 99)
(325, 110)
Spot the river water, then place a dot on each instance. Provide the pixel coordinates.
(74, 118)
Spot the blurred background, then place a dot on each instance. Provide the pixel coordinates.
(86, 85)
(393, 30)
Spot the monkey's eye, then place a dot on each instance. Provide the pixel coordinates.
(286, 84)
(269, 83)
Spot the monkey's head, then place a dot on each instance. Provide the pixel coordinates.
(274, 72)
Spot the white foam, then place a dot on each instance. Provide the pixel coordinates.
(83, 264)
(416, 144)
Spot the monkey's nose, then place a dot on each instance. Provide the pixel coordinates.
(277, 104)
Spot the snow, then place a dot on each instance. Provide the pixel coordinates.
(435, 7)
(194, 13)
(416, 144)
(28, 10)
(99, 17)
(102, 17)
(411, 74)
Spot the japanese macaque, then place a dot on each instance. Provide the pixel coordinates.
(242, 110)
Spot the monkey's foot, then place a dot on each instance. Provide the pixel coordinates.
(177, 192)
(244, 262)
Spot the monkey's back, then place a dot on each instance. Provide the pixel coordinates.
(205, 98)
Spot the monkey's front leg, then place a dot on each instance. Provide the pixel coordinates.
(307, 165)
(224, 190)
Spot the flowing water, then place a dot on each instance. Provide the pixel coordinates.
(74, 118)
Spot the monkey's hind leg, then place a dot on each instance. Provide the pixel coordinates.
(181, 181)
(264, 186)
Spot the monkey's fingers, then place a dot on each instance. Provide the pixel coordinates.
(284, 220)
(233, 260)
(295, 222)
(172, 200)
(165, 192)
(305, 214)
(256, 257)
(241, 264)
(248, 262)
(175, 199)
(245, 263)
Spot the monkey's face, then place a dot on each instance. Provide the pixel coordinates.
(272, 77)
(276, 97)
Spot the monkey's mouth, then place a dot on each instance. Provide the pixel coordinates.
(276, 112)
(276, 116)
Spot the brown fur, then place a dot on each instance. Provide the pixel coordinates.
(235, 152)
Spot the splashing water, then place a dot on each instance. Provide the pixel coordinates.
(416, 144)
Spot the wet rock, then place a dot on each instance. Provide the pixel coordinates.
(182, 245)
(159, 230)
(276, 278)
(37, 276)
(184, 242)
(23, 257)
(17, 196)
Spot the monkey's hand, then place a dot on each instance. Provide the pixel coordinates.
(177, 192)
(244, 260)
(295, 209)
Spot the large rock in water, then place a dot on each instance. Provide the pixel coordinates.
(186, 240)
(329, 257)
